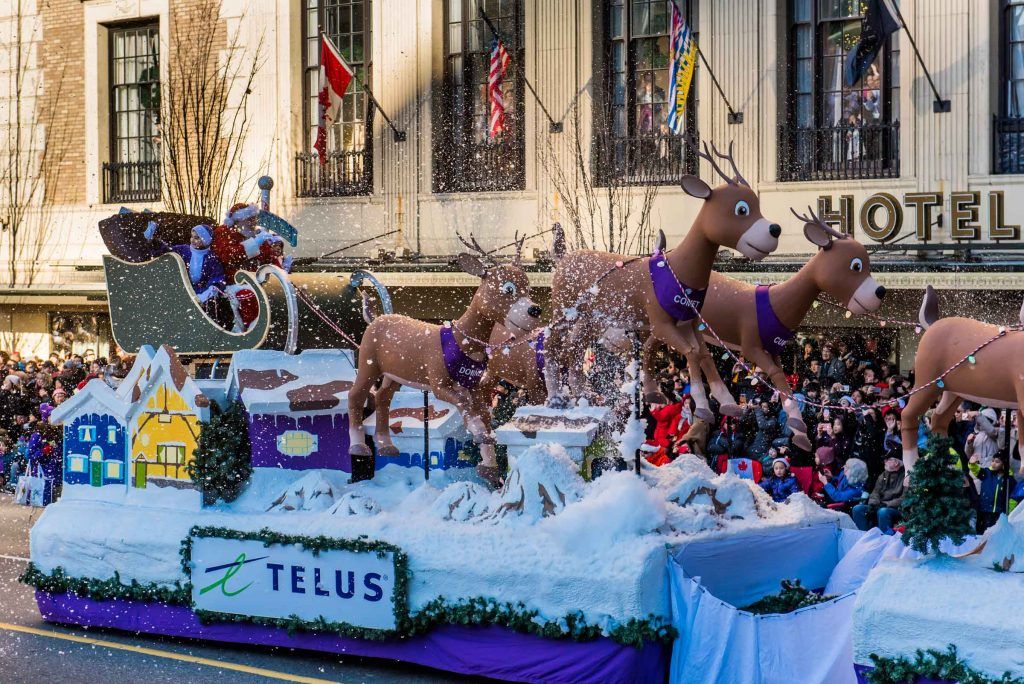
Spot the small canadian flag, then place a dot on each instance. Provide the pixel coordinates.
(335, 75)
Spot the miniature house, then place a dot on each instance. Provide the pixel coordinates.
(574, 429)
(447, 436)
(297, 406)
(95, 436)
(163, 424)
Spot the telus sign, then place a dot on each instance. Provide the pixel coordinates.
(244, 577)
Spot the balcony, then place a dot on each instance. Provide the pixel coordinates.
(839, 152)
(129, 182)
(344, 174)
(1008, 145)
(645, 160)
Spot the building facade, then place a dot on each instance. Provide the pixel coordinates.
(936, 194)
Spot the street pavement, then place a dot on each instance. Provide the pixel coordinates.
(33, 651)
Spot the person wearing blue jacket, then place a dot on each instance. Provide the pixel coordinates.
(848, 486)
(781, 483)
(997, 488)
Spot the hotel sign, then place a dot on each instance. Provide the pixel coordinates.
(882, 216)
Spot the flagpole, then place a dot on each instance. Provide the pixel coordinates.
(734, 116)
(556, 126)
(939, 106)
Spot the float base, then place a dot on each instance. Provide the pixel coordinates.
(493, 651)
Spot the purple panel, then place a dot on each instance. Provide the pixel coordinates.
(493, 652)
(331, 432)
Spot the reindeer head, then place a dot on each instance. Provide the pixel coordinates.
(504, 293)
(731, 215)
(844, 270)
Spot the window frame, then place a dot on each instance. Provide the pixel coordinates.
(470, 166)
(311, 181)
(605, 172)
(1006, 59)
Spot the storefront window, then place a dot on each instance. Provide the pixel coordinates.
(87, 334)
(1009, 124)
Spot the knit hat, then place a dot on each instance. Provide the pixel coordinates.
(847, 398)
(826, 455)
(780, 459)
(990, 414)
(240, 212)
(203, 232)
(895, 452)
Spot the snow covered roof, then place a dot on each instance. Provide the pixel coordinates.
(316, 380)
(164, 366)
(95, 397)
(406, 416)
(572, 427)
(143, 359)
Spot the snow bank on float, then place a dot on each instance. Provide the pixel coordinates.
(549, 539)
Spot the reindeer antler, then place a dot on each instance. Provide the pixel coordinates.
(519, 247)
(474, 246)
(814, 218)
(708, 154)
(732, 162)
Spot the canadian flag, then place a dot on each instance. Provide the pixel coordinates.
(335, 75)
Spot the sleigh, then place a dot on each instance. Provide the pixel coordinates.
(152, 301)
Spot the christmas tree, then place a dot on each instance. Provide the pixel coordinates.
(223, 458)
(935, 507)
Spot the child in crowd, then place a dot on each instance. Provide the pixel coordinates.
(781, 483)
(997, 488)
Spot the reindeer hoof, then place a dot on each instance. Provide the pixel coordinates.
(656, 398)
(359, 449)
(490, 474)
(705, 414)
(800, 441)
(731, 410)
(797, 425)
(389, 450)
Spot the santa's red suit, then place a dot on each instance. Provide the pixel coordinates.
(237, 252)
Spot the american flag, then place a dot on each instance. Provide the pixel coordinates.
(495, 81)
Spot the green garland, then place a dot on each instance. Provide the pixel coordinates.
(477, 611)
(932, 664)
(791, 597)
(59, 582)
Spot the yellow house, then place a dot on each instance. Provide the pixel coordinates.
(167, 407)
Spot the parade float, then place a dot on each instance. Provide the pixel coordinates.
(280, 506)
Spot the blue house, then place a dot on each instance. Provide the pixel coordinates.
(95, 436)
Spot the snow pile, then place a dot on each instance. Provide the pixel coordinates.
(462, 501)
(631, 437)
(354, 503)
(618, 506)
(312, 492)
(539, 484)
(1003, 546)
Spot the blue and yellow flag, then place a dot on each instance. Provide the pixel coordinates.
(684, 60)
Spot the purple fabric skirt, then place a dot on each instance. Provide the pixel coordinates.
(493, 651)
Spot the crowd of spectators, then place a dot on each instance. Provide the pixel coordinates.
(856, 460)
(30, 389)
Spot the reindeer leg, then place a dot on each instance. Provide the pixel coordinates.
(944, 413)
(916, 406)
(477, 420)
(683, 338)
(652, 392)
(555, 354)
(382, 434)
(367, 374)
(726, 404)
(773, 368)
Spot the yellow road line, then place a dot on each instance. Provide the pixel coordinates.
(169, 655)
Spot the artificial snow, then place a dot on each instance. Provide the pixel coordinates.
(549, 538)
(1002, 546)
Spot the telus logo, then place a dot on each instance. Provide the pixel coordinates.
(230, 570)
(344, 584)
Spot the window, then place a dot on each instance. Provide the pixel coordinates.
(349, 166)
(163, 418)
(170, 461)
(76, 463)
(86, 433)
(111, 434)
(631, 134)
(113, 470)
(1008, 154)
(297, 443)
(133, 172)
(466, 158)
(832, 131)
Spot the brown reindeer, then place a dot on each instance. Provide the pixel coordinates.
(448, 360)
(593, 291)
(994, 379)
(760, 320)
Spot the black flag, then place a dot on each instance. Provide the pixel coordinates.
(880, 22)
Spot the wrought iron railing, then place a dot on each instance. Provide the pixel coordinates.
(1008, 144)
(127, 182)
(842, 152)
(481, 166)
(343, 174)
(645, 160)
